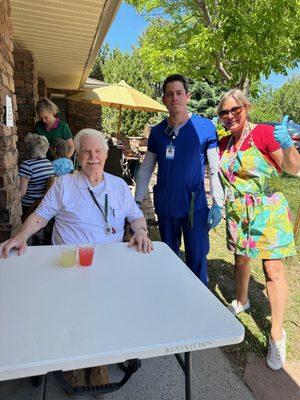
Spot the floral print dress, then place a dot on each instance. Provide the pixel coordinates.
(258, 219)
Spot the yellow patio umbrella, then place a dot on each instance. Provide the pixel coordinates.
(121, 96)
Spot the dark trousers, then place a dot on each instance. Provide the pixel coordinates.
(196, 240)
(41, 237)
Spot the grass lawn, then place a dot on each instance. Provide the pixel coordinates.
(257, 320)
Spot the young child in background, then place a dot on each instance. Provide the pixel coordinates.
(62, 164)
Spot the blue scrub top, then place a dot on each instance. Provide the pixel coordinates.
(177, 178)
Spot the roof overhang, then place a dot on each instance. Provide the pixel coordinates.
(64, 36)
(91, 83)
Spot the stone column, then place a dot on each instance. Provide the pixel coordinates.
(26, 83)
(10, 209)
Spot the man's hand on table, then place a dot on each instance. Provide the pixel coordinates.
(141, 240)
(18, 242)
(31, 225)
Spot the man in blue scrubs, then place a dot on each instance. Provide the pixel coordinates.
(181, 145)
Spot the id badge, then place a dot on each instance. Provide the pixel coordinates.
(170, 152)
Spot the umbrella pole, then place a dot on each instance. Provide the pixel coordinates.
(120, 120)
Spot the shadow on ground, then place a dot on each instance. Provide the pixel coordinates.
(221, 283)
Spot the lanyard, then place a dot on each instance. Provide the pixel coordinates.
(105, 212)
(191, 211)
(233, 153)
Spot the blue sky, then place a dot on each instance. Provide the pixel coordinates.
(276, 80)
(127, 27)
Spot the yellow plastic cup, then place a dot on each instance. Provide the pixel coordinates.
(67, 257)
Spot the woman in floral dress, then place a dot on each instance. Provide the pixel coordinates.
(258, 220)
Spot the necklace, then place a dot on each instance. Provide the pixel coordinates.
(233, 150)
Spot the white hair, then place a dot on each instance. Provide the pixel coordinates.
(36, 145)
(88, 132)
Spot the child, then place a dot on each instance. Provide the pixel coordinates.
(62, 164)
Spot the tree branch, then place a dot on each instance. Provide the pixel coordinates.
(220, 67)
(209, 24)
(206, 14)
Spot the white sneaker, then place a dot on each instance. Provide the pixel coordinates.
(236, 308)
(276, 353)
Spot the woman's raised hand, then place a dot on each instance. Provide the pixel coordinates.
(282, 135)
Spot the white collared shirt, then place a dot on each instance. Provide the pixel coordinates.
(77, 218)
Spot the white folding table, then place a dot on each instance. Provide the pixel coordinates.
(126, 306)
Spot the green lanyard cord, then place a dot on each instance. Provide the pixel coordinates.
(105, 213)
(191, 210)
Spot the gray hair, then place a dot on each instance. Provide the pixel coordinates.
(36, 145)
(237, 95)
(45, 104)
(88, 132)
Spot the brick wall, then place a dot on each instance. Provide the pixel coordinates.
(139, 145)
(148, 204)
(26, 84)
(78, 114)
(83, 115)
(10, 209)
(42, 88)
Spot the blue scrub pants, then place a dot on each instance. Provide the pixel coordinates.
(196, 240)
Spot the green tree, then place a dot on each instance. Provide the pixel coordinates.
(264, 107)
(272, 105)
(96, 72)
(288, 98)
(233, 40)
(205, 97)
(114, 66)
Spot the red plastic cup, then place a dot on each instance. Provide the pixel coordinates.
(86, 255)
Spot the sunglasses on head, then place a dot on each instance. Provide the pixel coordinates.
(233, 111)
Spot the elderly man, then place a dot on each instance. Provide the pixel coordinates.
(89, 207)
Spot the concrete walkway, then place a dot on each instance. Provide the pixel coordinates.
(158, 378)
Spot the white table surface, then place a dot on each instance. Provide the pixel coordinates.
(126, 305)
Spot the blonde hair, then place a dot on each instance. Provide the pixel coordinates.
(36, 145)
(237, 95)
(88, 132)
(45, 104)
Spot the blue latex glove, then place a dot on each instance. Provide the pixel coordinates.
(282, 135)
(214, 216)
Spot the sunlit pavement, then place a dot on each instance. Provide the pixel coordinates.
(159, 378)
